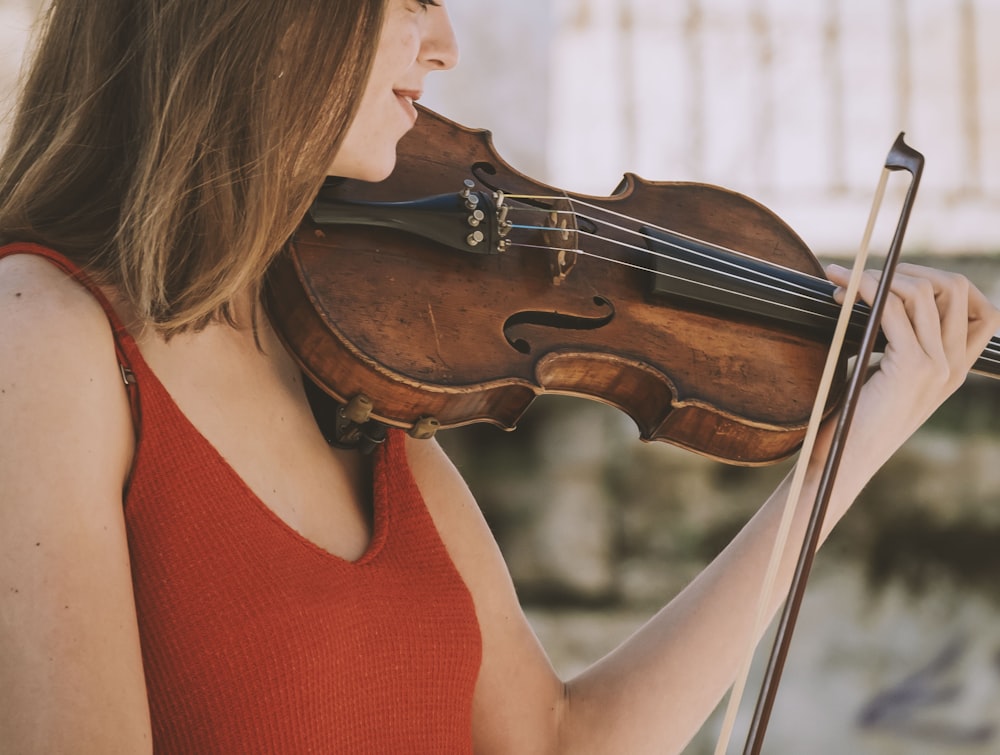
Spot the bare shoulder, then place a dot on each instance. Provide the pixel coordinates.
(69, 633)
(58, 369)
(34, 292)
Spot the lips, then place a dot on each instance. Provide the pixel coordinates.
(407, 97)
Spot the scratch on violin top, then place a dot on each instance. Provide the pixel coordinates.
(437, 335)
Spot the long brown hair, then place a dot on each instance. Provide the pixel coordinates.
(171, 147)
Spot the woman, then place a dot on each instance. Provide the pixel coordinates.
(187, 565)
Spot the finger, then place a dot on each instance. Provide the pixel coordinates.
(950, 289)
(939, 328)
(841, 276)
(969, 319)
(984, 320)
(897, 315)
(893, 313)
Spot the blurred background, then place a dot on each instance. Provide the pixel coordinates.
(794, 103)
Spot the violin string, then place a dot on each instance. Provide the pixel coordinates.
(991, 355)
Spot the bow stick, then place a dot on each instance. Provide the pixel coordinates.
(900, 157)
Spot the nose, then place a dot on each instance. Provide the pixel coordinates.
(440, 46)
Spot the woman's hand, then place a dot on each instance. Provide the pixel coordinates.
(937, 324)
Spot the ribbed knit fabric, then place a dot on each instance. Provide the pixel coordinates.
(254, 639)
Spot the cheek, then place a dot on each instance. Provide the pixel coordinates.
(396, 53)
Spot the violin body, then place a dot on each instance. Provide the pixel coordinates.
(428, 331)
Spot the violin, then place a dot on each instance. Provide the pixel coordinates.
(458, 290)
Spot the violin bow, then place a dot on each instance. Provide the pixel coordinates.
(900, 157)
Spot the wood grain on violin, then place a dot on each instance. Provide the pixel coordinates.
(692, 308)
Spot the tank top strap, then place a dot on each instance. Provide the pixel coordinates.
(126, 349)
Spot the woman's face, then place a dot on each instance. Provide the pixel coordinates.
(417, 38)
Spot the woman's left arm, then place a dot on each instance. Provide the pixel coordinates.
(654, 691)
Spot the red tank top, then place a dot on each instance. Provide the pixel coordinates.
(254, 639)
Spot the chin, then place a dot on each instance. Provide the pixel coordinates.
(379, 174)
(372, 168)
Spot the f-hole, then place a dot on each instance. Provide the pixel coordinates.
(557, 321)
